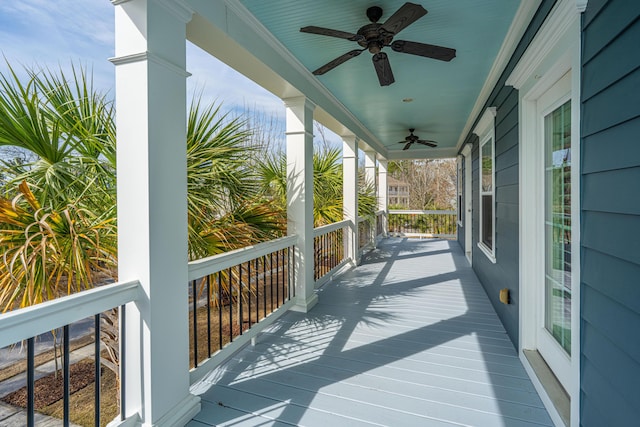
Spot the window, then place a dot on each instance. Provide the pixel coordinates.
(486, 131)
(459, 206)
(486, 193)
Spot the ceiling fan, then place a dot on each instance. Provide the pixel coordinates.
(411, 138)
(375, 36)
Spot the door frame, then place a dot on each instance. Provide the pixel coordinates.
(554, 51)
(468, 202)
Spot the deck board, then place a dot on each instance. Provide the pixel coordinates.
(409, 338)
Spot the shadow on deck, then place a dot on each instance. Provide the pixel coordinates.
(409, 338)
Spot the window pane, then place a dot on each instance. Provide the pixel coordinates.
(487, 220)
(487, 166)
(557, 127)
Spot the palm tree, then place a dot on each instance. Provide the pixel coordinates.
(327, 188)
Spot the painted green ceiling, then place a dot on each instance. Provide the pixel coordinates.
(443, 93)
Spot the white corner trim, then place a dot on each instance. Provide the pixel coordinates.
(466, 150)
(581, 5)
(552, 31)
(151, 57)
(243, 14)
(519, 25)
(486, 122)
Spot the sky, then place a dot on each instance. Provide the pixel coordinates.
(53, 34)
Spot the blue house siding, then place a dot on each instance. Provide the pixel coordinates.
(505, 272)
(610, 207)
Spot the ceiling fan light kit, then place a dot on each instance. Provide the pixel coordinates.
(375, 36)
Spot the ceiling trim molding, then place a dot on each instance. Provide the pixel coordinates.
(521, 20)
(556, 25)
(243, 13)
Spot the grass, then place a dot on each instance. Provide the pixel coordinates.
(41, 358)
(81, 404)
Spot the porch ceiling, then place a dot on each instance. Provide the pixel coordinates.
(446, 96)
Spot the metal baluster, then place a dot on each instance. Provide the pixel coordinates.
(209, 314)
(241, 314)
(220, 309)
(264, 283)
(31, 369)
(271, 277)
(96, 361)
(277, 279)
(123, 366)
(65, 375)
(195, 324)
(230, 304)
(249, 291)
(255, 275)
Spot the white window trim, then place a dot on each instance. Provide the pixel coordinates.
(485, 130)
(554, 51)
(459, 196)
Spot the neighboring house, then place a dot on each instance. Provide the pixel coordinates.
(541, 106)
(398, 192)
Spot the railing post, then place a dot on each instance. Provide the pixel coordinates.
(150, 45)
(350, 196)
(383, 195)
(299, 133)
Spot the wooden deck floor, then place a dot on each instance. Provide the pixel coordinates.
(409, 338)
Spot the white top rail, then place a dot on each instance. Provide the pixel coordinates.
(418, 212)
(381, 212)
(28, 322)
(205, 266)
(319, 231)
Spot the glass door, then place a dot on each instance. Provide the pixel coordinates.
(558, 225)
(554, 336)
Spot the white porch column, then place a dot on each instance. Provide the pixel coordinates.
(370, 179)
(370, 167)
(350, 195)
(383, 195)
(152, 208)
(299, 121)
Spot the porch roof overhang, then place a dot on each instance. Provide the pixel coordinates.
(262, 41)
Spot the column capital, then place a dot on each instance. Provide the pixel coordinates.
(179, 8)
(298, 102)
(149, 57)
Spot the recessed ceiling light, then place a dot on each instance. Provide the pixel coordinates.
(407, 100)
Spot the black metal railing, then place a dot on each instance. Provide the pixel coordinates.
(365, 236)
(60, 371)
(328, 248)
(423, 223)
(380, 218)
(228, 300)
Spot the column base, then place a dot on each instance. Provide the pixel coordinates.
(180, 415)
(303, 306)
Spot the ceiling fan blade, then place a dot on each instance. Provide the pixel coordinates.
(331, 33)
(406, 147)
(424, 49)
(383, 68)
(339, 60)
(403, 17)
(427, 142)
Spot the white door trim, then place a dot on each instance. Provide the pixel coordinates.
(553, 52)
(468, 202)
